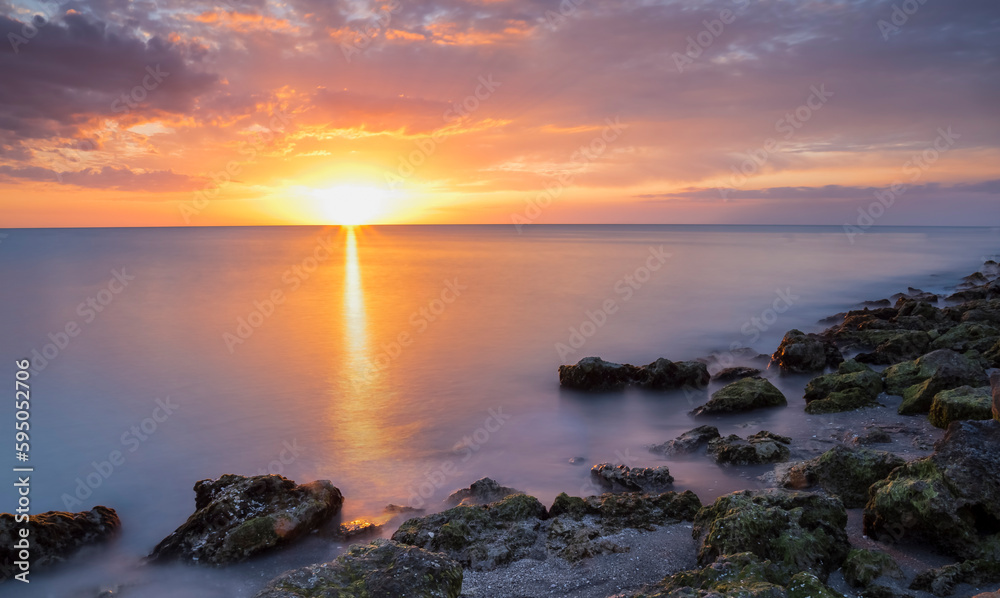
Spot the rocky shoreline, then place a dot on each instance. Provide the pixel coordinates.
(862, 518)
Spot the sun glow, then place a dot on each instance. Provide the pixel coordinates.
(351, 205)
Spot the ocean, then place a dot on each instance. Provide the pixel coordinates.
(399, 362)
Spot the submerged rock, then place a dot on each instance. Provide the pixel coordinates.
(743, 395)
(797, 531)
(382, 569)
(760, 448)
(801, 353)
(357, 528)
(920, 380)
(237, 517)
(735, 373)
(622, 477)
(942, 581)
(950, 500)
(862, 567)
(964, 402)
(54, 537)
(481, 492)
(595, 374)
(481, 537)
(688, 442)
(845, 472)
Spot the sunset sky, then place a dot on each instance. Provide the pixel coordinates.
(171, 113)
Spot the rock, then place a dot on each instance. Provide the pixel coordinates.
(913, 294)
(595, 374)
(968, 336)
(801, 353)
(237, 517)
(622, 477)
(577, 460)
(942, 581)
(735, 373)
(760, 448)
(896, 346)
(797, 531)
(481, 492)
(918, 381)
(881, 591)
(480, 537)
(837, 402)
(54, 536)
(401, 509)
(995, 391)
(873, 436)
(382, 569)
(950, 500)
(357, 528)
(688, 442)
(854, 386)
(964, 402)
(862, 567)
(577, 527)
(741, 575)
(743, 395)
(845, 472)
(664, 374)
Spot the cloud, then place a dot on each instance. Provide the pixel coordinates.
(108, 177)
(823, 192)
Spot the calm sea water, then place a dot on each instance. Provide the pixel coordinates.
(399, 362)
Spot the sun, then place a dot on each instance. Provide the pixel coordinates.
(350, 205)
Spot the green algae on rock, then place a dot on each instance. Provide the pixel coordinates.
(54, 536)
(237, 517)
(862, 567)
(853, 386)
(845, 472)
(798, 531)
(382, 569)
(688, 442)
(631, 479)
(758, 449)
(920, 380)
(964, 402)
(801, 353)
(743, 395)
(942, 581)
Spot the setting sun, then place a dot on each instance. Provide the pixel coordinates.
(350, 204)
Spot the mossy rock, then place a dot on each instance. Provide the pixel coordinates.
(382, 568)
(758, 449)
(838, 402)
(480, 537)
(845, 472)
(867, 381)
(635, 510)
(798, 532)
(968, 336)
(743, 395)
(961, 403)
(920, 380)
(942, 581)
(862, 567)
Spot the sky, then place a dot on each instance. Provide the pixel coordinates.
(185, 113)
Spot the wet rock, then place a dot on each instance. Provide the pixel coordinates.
(895, 346)
(735, 373)
(801, 353)
(964, 402)
(855, 385)
(401, 509)
(875, 435)
(913, 294)
(798, 532)
(664, 374)
(845, 472)
(358, 528)
(968, 336)
(918, 381)
(578, 527)
(942, 581)
(481, 492)
(622, 477)
(595, 374)
(577, 460)
(995, 391)
(743, 395)
(237, 517)
(862, 567)
(382, 569)
(882, 591)
(760, 448)
(688, 442)
(480, 537)
(950, 500)
(54, 537)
